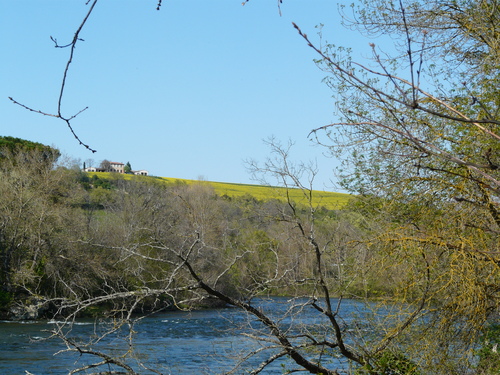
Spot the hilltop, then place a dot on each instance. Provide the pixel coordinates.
(329, 200)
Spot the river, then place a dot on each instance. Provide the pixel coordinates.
(176, 342)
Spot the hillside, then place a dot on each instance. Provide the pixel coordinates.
(330, 200)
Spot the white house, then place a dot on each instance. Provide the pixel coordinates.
(116, 167)
(93, 169)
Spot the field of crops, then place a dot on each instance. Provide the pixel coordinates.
(330, 200)
(327, 199)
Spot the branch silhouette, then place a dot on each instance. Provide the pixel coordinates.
(59, 114)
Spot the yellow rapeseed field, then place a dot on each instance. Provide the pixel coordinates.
(329, 200)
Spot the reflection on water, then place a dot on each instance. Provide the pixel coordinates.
(201, 342)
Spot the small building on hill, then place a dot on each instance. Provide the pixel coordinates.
(114, 167)
(117, 167)
(93, 169)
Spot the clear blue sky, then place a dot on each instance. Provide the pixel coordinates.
(189, 91)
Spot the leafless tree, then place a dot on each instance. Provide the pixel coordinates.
(105, 165)
(176, 245)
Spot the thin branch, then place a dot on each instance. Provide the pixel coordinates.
(70, 60)
(31, 109)
(285, 343)
(59, 115)
(353, 79)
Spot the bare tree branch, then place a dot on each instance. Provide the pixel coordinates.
(59, 115)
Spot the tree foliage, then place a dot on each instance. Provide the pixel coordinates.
(419, 139)
(128, 168)
(17, 145)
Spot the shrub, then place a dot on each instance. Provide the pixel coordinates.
(488, 354)
(391, 363)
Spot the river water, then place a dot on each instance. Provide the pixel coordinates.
(177, 342)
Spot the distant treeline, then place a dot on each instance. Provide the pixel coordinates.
(65, 234)
(326, 199)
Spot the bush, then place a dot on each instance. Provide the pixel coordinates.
(488, 354)
(391, 363)
(5, 298)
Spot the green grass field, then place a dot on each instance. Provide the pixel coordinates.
(329, 200)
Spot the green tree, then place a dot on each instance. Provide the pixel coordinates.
(17, 145)
(419, 131)
(128, 168)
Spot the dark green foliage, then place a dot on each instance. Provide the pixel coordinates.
(489, 353)
(84, 180)
(128, 168)
(396, 363)
(102, 183)
(5, 298)
(16, 145)
(390, 363)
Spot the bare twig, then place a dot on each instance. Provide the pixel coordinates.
(59, 115)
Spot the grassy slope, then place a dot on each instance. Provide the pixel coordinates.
(327, 199)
